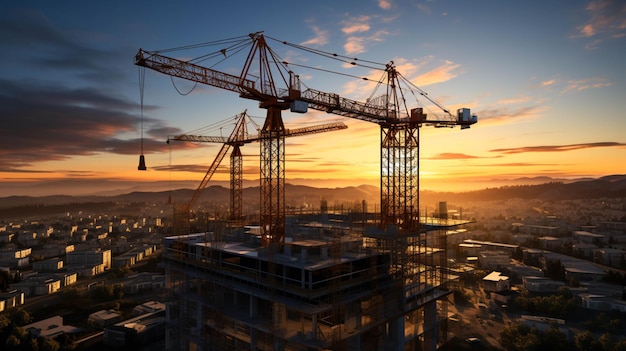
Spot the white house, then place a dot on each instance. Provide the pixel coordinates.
(495, 282)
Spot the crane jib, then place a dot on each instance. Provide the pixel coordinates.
(193, 72)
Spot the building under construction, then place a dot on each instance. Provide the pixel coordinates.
(329, 287)
(326, 282)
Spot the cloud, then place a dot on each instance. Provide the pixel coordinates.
(441, 72)
(354, 45)
(356, 28)
(384, 4)
(356, 25)
(37, 43)
(515, 100)
(558, 148)
(423, 8)
(320, 38)
(77, 110)
(584, 84)
(45, 122)
(607, 20)
(451, 156)
(524, 164)
(193, 168)
(499, 116)
(516, 164)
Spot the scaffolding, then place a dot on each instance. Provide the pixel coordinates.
(330, 286)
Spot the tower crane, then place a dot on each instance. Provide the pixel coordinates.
(238, 137)
(263, 70)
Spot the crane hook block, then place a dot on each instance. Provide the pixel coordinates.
(142, 163)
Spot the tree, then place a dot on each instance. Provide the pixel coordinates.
(16, 316)
(13, 342)
(520, 337)
(606, 341)
(586, 342)
(47, 344)
(620, 345)
(555, 340)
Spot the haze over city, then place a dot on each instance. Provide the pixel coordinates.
(545, 79)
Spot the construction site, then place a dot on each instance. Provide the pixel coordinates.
(327, 279)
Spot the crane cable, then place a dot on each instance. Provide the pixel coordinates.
(142, 76)
(356, 62)
(238, 39)
(346, 59)
(180, 92)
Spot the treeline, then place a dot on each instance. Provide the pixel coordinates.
(521, 337)
(15, 338)
(548, 191)
(46, 210)
(514, 191)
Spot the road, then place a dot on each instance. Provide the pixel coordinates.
(484, 322)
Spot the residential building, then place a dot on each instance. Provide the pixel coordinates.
(496, 282)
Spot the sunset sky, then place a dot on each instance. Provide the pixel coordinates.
(547, 80)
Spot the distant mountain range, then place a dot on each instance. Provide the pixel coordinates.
(300, 196)
(613, 186)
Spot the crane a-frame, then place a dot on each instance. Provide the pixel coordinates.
(238, 137)
(263, 70)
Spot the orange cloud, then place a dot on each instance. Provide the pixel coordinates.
(518, 100)
(354, 45)
(356, 28)
(521, 164)
(607, 21)
(384, 4)
(451, 156)
(440, 74)
(558, 148)
(321, 37)
(584, 84)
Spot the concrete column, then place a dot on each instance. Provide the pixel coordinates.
(354, 342)
(431, 327)
(352, 316)
(253, 339)
(253, 306)
(199, 319)
(279, 314)
(396, 334)
(314, 326)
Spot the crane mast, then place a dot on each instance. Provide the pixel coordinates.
(238, 138)
(399, 129)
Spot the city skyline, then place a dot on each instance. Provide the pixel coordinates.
(545, 81)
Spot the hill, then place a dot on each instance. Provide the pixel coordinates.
(613, 186)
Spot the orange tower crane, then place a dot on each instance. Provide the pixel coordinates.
(238, 138)
(263, 70)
